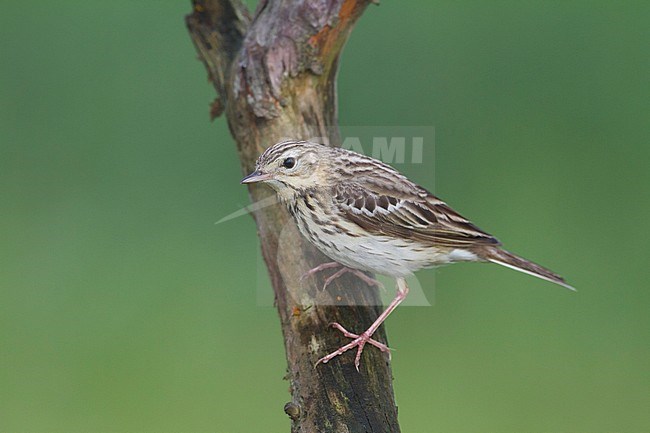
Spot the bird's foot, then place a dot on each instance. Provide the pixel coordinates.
(319, 268)
(359, 341)
(344, 269)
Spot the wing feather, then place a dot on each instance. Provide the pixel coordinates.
(389, 204)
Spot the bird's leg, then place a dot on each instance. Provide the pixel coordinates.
(319, 268)
(346, 333)
(343, 270)
(361, 340)
(368, 280)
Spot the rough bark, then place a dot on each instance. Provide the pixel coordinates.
(275, 76)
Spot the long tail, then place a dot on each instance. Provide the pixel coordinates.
(512, 261)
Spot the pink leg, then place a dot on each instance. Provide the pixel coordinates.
(343, 270)
(346, 333)
(319, 268)
(334, 277)
(369, 281)
(361, 340)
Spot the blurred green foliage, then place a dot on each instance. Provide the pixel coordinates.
(124, 308)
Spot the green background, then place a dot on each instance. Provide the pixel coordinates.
(124, 308)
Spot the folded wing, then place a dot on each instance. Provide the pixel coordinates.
(387, 205)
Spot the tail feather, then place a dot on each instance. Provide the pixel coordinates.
(512, 261)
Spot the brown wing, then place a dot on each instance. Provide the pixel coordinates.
(394, 206)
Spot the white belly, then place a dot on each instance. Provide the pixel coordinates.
(382, 255)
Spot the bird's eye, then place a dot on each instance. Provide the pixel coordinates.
(289, 162)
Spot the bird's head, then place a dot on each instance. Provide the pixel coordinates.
(290, 166)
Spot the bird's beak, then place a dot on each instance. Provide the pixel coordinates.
(256, 176)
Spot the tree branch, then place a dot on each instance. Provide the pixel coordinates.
(275, 76)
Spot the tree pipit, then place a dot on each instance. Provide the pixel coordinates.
(367, 216)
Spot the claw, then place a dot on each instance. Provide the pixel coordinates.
(319, 268)
(334, 277)
(368, 280)
(360, 340)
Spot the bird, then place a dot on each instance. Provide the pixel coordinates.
(368, 217)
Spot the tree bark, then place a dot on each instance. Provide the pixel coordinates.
(275, 76)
